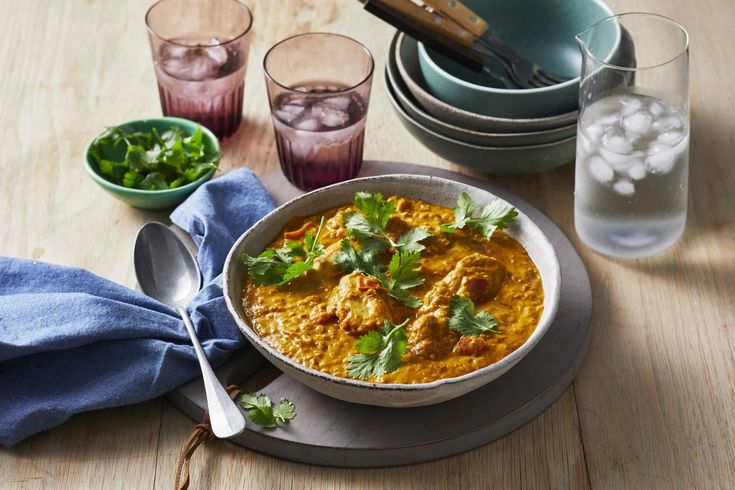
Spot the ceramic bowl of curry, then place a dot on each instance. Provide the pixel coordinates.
(471, 305)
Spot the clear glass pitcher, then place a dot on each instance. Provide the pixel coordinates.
(630, 192)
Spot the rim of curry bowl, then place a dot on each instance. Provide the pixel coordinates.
(547, 315)
(95, 175)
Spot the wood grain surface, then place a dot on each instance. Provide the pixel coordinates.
(653, 404)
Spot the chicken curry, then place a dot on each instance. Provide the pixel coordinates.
(395, 290)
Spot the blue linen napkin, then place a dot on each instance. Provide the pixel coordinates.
(71, 341)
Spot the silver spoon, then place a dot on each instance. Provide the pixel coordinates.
(167, 271)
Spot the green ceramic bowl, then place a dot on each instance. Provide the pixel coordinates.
(541, 30)
(162, 199)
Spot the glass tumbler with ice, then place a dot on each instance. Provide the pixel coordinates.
(318, 86)
(632, 163)
(200, 54)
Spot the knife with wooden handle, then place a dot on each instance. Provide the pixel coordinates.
(433, 30)
(521, 70)
(457, 11)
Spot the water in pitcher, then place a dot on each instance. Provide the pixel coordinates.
(630, 195)
(319, 136)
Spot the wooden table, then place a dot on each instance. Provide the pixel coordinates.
(654, 403)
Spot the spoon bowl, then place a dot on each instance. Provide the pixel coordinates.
(168, 272)
(164, 266)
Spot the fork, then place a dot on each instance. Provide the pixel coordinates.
(447, 36)
(522, 71)
(435, 31)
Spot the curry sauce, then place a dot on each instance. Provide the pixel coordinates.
(316, 319)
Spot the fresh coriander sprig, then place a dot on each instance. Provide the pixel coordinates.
(379, 351)
(279, 265)
(349, 259)
(368, 225)
(403, 276)
(463, 319)
(264, 413)
(152, 161)
(497, 214)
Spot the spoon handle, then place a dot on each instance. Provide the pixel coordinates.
(224, 416)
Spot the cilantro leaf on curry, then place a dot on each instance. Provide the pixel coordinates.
(368, 225)
(402, 273)
(403, 276)
(497, 214)
(269, 266)
(379, 351)
(280, 266)
(264, 413)
(349, 259)
(152, 161)
(411, 240)
(463, 319)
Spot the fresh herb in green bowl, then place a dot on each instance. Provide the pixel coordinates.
(153, 163)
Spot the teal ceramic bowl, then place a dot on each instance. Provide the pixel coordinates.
(541, 30)
(491, 159)
(406, 55)
(165, 198)
(417, 113)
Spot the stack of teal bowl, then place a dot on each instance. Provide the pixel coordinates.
(473, 120)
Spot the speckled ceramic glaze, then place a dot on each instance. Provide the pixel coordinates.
(482, 138)
(407, 62)
(490, 159)
(431, 189)
(541, 30)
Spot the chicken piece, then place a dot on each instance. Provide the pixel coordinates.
(321, 314)
(404, 205)
(430, 338)
(470, 346)
(359, 304)
(476, 276)
(327, 259)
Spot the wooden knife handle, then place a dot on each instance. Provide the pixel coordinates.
(420, 32)
(461, 14)
(428, 20)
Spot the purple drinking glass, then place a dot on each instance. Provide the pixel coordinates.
(200, 52)
(318, 87)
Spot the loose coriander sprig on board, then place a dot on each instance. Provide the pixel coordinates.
(379, 351)
(497, 214)
(264, 413)
(279, 265)
(463, 319)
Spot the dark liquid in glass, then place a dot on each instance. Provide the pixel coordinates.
(319, 136)
(204, 84)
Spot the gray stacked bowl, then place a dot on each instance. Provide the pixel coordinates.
(485, 143)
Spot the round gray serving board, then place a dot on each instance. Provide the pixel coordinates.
(331, 432)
